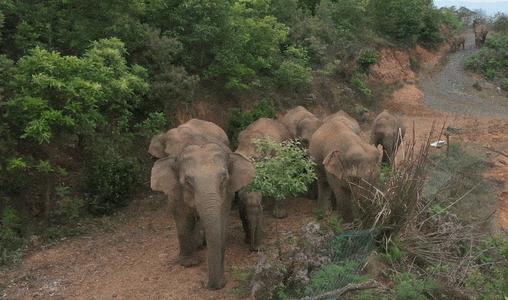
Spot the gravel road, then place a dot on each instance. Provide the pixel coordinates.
(450, 89)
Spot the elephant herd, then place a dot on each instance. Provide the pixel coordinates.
(200, 174)
(480, 36)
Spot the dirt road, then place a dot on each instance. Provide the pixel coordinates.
(450, 88)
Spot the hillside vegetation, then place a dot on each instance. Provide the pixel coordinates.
(85, 84)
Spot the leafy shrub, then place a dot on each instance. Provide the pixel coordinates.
(68, 208)
(111, 180)
(409, 287)
(501, 23)
(283, 170)
(240, 119)
(358, 81)
(367, 58)
(334, 276)
(492, 59)
(293, 72)
(11, 232)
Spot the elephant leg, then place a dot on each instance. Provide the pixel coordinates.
(342, 198)
(198, 235)
(324, 191)
(242, 209)
(255, 215)
(279, 208)
(185, 220)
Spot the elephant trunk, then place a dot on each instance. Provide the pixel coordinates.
(212, 214)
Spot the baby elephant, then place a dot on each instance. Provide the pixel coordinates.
(251, 213)
(387, 131)
(458, 42)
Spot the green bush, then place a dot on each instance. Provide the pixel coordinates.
(241, 119)
(334, 276)
(492, 59)
(358, 81)
(409, 287)
(367, 58)
(294, 73)
(11, 233)
(288, 172)
(111, 180)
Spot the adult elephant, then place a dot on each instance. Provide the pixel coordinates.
(301, 123)
(201, 180)
(344, 117)
(480, 35)
(387, 131)
(263, 128)
(341, 157)
(194, 131)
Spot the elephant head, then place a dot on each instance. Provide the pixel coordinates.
(306, 128)
(203, 178)
(157, 145)
(354, 164)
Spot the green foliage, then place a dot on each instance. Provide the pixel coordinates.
(366, 58)
(501, 23)
(288, 172)
(492, 59)
(293, 72)
(111, 180)
(358, 81)
(334, 276)
(240, 119)
(103, 89)
(11, 231)
(409, 287)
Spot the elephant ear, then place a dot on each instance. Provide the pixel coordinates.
(333, 164)
(164, 177)
(241, 171)
(157, 145)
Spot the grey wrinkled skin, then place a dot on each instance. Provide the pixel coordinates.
(251, 214)
(201, 181)
(388, 131)
(301, 123)
(341, 156)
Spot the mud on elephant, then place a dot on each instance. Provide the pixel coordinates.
(341, 157)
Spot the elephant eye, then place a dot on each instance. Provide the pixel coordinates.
(188, 181)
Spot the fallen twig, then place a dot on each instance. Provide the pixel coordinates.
(371, 284)
(496, 151)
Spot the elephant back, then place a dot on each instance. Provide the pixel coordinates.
(344, 117)
(262, 128)
(295, 116)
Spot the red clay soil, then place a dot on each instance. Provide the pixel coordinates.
(137, 259)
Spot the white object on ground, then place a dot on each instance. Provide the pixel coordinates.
(438, 144)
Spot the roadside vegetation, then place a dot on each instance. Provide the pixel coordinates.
(417, 239)
(492, 60)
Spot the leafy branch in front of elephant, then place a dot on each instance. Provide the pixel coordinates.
(283, 170)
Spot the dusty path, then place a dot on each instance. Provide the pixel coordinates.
(450, 89)
(445, 94)
(135, 258)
